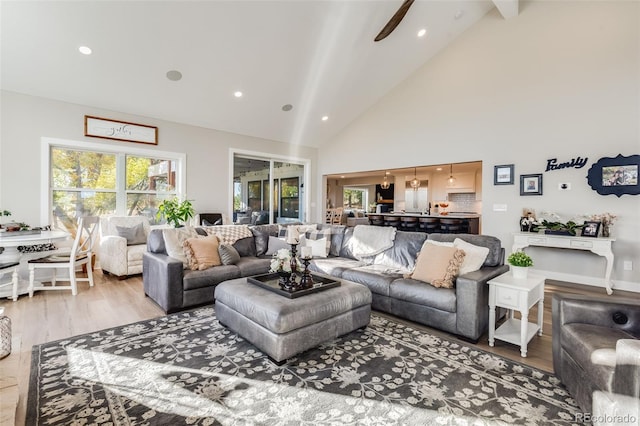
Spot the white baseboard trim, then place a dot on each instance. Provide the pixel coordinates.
(587, 280)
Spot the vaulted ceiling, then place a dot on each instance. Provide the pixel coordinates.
(317, 56)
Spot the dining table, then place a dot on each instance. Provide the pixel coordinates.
(11, 241)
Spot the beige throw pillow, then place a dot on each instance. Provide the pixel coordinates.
(202, 252)
(438, 265)
(474, 255)
(173, 240)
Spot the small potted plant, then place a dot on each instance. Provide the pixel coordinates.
(175, 212)
(520, 263)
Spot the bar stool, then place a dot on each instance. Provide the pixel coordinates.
(429, 224)
(376, 219)
(11, 267)
(450, 226)
(392, 221)
(409, 223)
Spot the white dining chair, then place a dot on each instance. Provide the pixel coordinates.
(81, 254)
(12, 269)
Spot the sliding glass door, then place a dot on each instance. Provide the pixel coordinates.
(267, 190)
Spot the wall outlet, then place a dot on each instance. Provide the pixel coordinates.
(565, 186)
(628, 265)
(499, 207)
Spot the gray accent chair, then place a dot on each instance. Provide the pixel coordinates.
(596, 348)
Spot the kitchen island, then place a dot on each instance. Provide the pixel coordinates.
(471, 220)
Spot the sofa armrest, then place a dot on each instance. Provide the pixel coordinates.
(162, 280)
(627, 373)
(113, 254)
(472, 300)
(604, 312)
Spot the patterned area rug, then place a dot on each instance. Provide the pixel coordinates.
(186, 368)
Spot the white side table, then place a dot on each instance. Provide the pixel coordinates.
(506, 291)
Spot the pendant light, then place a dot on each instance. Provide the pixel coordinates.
(385, 182)
(415, 183)
(451, 179)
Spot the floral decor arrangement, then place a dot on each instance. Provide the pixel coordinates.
(607, 220)
(281, 262)
(552, 223)
(520, 258)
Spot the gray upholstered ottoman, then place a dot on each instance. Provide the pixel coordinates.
(282, 327)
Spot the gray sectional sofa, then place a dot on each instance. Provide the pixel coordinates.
(462, 310)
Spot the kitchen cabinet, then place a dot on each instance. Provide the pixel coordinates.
(465, 182)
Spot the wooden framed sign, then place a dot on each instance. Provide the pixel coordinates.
(120, 130)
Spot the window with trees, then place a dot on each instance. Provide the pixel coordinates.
(91, 182)
(354, 198)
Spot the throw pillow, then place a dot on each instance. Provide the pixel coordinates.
(173, 240)
(276, 244)
(228, 254)
(319, 235)
(318, 247)
(133, 234)
(261, 239)
(202, 252)
(229, 234)
(245, 247)
(438, 265)
(474, 255)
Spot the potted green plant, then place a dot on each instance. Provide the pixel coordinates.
(520, 263)
(176, 212)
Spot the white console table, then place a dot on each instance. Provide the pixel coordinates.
(600, 246)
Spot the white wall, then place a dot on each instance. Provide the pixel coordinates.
(560, 80)
(26, 119)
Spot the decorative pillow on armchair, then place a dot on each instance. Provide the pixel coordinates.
(438, 265)
(134, 234)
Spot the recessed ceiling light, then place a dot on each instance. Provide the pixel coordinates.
(287, 107)
(325, 118)
(174, 75)
(459, 14)
(85, 50)
(439, 169)
(342, 177)
(237, 94)
(422, 32)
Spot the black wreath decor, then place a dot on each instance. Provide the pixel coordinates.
(615, 176)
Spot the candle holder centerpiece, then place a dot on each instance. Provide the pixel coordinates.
(306, 280)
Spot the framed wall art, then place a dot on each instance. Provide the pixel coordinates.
(617, 175)
(503, 175)
(531, 184)
(120, 130)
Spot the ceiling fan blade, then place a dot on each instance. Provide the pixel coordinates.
(394, 21)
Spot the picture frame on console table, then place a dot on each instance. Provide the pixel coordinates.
(531, 184)
(590, 229)
(503, 175)
(104, 128)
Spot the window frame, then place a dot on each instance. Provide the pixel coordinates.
(120, 151)
(304, 189)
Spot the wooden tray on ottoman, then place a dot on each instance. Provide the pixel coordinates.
(270, 282)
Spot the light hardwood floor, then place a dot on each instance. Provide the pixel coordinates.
(54, 315)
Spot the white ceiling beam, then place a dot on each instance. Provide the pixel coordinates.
(508, 8)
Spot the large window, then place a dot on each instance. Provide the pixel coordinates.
(354, 198)
(98, 182)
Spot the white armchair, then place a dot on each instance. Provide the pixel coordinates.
(123, 240)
